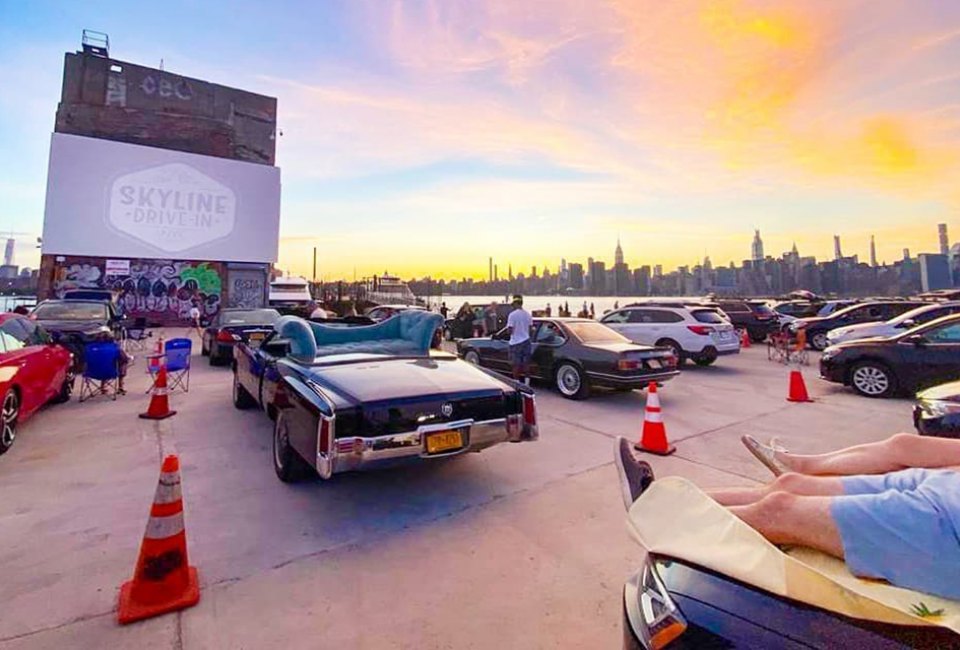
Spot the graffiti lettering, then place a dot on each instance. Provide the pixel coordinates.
(165, 88)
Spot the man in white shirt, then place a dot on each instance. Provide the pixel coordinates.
(519, 323)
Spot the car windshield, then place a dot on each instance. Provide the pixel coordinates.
(71, 311)
(595, 333)
(707, 316)
(760, 308)
(251, 317)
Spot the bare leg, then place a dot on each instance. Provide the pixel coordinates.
(785, 518)
(796, 484)
(898, 452)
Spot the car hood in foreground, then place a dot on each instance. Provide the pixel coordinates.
(390, 378)
(949, 392)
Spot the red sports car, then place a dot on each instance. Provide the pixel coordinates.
(33, 371)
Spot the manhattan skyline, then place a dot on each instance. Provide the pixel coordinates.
(422, 137)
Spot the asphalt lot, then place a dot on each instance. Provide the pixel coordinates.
(521, 546)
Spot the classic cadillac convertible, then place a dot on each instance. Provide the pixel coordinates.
(347, 398)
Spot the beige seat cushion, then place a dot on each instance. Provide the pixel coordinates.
(675, 518)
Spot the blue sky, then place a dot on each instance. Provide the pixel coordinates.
(423, 137)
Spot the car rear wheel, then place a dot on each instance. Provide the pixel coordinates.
(9, 414)
(819, 341)
(873, 379)
(571, 382)
(66, 389)
(241, 398)
(706, 358)
(677, 350)
(472, 357)
(287, 463)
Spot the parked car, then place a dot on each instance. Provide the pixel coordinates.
(674, 604)
(751, 315)
(74, 323)
(383, 312)
(233, 325)
(357, 398)
(818, 327)
(35, 371)
(895, 325)
(576, 354)
(920, 357)
(937, 411)
(695, 332)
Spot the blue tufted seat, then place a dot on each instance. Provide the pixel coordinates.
(407, 333)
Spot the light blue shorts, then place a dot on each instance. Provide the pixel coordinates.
(903, 527)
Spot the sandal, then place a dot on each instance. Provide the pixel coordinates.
(766, 454)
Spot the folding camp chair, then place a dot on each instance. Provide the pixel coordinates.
(101, 372)
(136, 335)
(177, 355)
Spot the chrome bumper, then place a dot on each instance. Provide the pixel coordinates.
(357, 453)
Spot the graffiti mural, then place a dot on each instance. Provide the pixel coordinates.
(159, 290)
(246, 288)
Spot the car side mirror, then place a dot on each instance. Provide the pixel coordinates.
(916, 339)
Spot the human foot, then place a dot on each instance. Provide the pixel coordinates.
(766, 454)
(635, 475)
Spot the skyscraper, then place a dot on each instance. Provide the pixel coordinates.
(8, 252)
(873, 252)
(941, 228)
(490, 273)
(618, 254)
(756, 249)
(836, 247)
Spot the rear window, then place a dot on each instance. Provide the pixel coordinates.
(252, 317)
(762, 309)
(595, 333)
(708, 316)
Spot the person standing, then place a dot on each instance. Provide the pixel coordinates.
(548, 311)
(195, 317)
(566, 309)
(490, 319)
(444, 310)
(593, 314)
(519, 323)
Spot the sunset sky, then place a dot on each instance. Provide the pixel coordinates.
(423, 137)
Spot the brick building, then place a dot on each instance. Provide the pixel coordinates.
(185, 210)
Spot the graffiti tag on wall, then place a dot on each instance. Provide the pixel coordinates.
(155, 289)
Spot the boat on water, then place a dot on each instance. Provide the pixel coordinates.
(291, 296)
(388, 289)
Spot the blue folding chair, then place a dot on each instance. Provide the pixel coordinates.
(101, 372)
(177, 354)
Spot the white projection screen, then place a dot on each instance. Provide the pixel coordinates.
(111, 199)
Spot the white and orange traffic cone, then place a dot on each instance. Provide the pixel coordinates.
(163, 580)
(159, 401)
(653, 438)
(797, 391)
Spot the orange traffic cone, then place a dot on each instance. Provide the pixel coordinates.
(159, 402)
(745, 339)
(653, 439)
(163, 580)
(798, 389)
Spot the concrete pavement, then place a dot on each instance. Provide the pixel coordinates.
(519, 546)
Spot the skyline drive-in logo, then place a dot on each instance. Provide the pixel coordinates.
(172, 207)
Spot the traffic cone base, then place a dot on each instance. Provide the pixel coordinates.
(130, 611)
(653, 438)
(798, 389)
(159, 408)
(163, 416)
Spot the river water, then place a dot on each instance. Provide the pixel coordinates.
(601, 304)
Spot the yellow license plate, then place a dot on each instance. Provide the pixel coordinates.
(257, 336)
(443, 441)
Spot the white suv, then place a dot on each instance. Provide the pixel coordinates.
(698, 333)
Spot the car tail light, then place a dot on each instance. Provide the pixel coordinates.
(223, 336)
(530, 416)
(625, 363)
(324, 444)
(701, 330)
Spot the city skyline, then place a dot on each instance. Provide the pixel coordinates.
(423, 137)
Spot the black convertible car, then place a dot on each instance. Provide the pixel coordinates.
(356, 398)
(926, 355)
(576, 354)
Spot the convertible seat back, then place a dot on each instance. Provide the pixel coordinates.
(676, 519)
(407, 333)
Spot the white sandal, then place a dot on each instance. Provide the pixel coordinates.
(766, 454)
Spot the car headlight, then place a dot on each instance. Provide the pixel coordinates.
(939, 407)
(655, 618)
(829, 353)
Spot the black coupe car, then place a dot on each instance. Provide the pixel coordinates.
(74, 323)
(868, 312)
(355, 398)
(230, 326)
(920, 357)
(576, 354)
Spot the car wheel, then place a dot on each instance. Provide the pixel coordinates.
(757, 338)
(705, 360)
(241, 398)
(287, 463)
(571, 381)
(66, 389)
(471, 356)
(873, 379)
(9, 414)
(216, 359)
(819, 341)
(677, 350)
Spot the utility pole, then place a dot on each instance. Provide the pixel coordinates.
(314, 263)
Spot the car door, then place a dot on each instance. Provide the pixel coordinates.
(938, 355)
(27, 362)
(548, 339)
